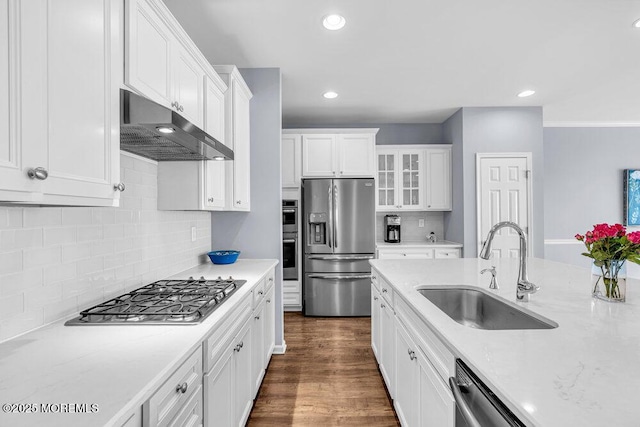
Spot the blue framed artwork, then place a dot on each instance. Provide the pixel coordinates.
(632, 197)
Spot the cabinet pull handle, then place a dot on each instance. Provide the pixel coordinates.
(174, 104)
(238, 202)
(375, 298)
(180, 108)
(374, 277)
(384, 290)
(241, 344)
(182, 388)
(382, 306)
(268, 301)
(211, 200)
(119, 186)
(38, 173)
(257, 317)
(412, 354)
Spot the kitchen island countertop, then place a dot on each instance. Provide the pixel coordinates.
(116, 368)
(583, 373)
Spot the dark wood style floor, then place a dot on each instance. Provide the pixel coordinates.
(328, 377)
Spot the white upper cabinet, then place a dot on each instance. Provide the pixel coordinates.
(400, 179)
(291, 159)
(438, 178)
(413, 178)
(356, 155)
(334, 153)
(238, 137)
(60, 144)
(158, 65)
(319, 156)
(214, 108)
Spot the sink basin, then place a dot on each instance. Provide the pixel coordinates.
(476, 308)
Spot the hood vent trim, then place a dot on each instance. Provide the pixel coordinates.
(140, 119)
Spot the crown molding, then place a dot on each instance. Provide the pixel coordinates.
(590, 124)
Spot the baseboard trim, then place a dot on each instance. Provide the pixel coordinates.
(280, 349)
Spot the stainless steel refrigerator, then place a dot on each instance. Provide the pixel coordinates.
(338, 241)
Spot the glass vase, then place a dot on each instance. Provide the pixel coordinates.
(609, 281)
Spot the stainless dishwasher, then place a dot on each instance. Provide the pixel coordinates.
(476, 405)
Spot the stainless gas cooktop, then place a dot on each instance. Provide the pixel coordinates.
(179, 302)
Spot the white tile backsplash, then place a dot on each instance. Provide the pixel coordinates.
(409, 221)
(55, 261)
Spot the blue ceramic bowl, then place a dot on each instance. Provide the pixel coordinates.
(223, 257)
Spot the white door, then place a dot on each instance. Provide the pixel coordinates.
(503, 195)
(318, 155)
(241, 148)
(356, 155)
(188, 79)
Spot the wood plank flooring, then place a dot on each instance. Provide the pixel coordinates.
(328, 377)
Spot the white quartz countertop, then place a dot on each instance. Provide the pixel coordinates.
(583, 373)
(419, 244)
(116, 368)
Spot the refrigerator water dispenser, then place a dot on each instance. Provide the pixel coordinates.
(318, 228)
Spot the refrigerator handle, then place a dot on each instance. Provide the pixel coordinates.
(330, 230)
(335, 225)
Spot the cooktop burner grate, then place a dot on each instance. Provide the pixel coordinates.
(165, 301)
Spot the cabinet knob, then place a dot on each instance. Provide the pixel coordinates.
(257, 317)
(375, 298)
(428, 206)
(210, 199)
(268, 301)
(382, 306)
(174, 104)
(180, 108)
(119, 186)
(384, 290)
(374, 277)
(38, 173)
(238, 202)
(182, 388)
(260, 293)
(334, 172)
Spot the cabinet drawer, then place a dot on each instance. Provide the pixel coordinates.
(405, 253)
(217, 342)
(438, 354)
(191, 414)
(171, 397)
(447, 253)
(386, 292)
(375, 280)
(258, 293)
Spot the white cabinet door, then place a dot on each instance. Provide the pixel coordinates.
(188, 91)
(148, 50)
(438, 178)
(70, 121)
(437, 406)
(258, 347)
(291, 160)
(214, 109)
(400, 180)
(318, 155)
(387, 346)
(269, 325)
(14, 184)
(356, 155)
(241, 147)
(243, 380)
(375, 322)
(219, 392)
(407, 397)
(215, 184)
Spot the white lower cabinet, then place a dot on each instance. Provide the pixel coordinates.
(257, 361)
(169, 402)
(418, 252)
(414, 364)
(219, 391)
(407, 397)
(269, 323)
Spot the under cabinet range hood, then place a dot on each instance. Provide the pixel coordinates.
(151, 130)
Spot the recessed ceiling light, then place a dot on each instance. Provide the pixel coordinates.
(330, 95)
(526, 93)
(636, 24)
(333, 22)
(165, 129)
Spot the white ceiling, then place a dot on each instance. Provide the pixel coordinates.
(417, 61)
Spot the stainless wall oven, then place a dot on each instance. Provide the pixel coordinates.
(290, 239)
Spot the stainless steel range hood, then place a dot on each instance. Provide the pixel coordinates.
(151, 130)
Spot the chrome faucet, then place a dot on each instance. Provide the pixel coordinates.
(524, 286)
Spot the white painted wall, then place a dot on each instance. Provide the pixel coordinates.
(56, 261)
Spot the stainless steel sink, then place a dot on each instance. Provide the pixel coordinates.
(476, 308)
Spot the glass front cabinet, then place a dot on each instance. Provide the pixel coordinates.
(400, 180)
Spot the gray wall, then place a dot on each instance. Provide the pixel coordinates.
(258, 234)
(583, 183)
(454, 220)
(391, 133)
(486, 130)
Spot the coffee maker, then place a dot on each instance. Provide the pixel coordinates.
(392, 228)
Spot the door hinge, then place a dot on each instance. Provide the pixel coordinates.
(527, 173)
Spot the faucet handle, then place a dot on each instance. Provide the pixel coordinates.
(494, 283)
